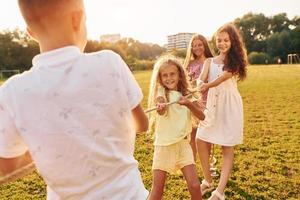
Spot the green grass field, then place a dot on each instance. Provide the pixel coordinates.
(267, 165)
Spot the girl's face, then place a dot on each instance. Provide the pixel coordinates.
(223, 42)
(169, 76)
(197, 47)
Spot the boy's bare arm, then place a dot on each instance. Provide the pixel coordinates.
(140, 119)
(9, 165)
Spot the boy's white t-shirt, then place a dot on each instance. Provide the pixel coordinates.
(72, 111)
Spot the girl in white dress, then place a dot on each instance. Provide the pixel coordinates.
(223, 123)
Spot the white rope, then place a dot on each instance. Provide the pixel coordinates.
(172, 102)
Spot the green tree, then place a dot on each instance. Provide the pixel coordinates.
(278, 23)
(295, 40)
(276, 35)
(179, 53)
(254, 30)
(278, 44)
(16, 50)
(259, 58)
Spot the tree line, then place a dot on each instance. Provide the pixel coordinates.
(269, 38)
(17, 50)
(266, 40)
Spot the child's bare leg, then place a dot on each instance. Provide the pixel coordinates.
(204, 149)
(159, 178)
(192, 180)
(226, 167)
(193, 143)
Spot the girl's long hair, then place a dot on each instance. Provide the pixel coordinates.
(189, 53)
(155, 84)
(236, 59)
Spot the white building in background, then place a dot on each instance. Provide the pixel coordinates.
(179, 41)
(112, 38)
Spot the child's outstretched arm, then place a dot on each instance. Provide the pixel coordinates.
(140, 119)
(16, 167)
(205, 86)
(193, 106)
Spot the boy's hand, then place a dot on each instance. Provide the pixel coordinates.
(204, 87)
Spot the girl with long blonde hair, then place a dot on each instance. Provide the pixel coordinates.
(172, 126)
(198, 51)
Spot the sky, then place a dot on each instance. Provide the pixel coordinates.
(152, 20)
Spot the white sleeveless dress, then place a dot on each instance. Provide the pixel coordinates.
(223, 123)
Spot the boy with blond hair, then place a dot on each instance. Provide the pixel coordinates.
(75, 115)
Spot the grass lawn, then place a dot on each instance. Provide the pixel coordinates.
(267, 165)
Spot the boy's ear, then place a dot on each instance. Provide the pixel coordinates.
(31, 33)
(77, 17)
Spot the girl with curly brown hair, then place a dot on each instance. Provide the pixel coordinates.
(223, 123)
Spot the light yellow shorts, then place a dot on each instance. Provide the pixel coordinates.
(173, 157)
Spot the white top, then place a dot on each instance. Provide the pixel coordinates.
(223, 123)
(72, 111)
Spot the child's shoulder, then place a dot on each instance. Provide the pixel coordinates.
(106, 58)
(108, 54)
(217, 60)
(209, 60)
(16, 83)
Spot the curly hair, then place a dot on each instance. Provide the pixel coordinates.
(236, 59)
